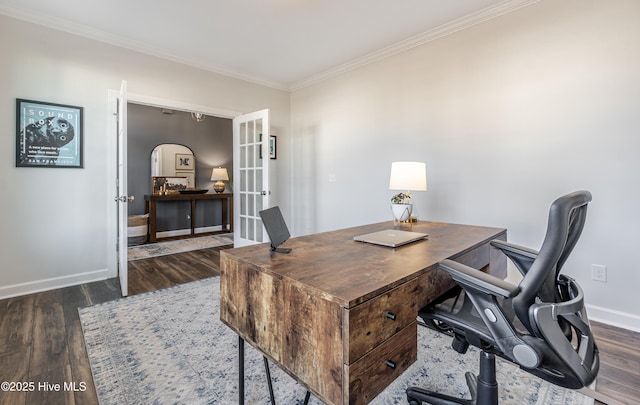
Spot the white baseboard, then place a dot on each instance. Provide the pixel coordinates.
(52, 283)
(184, 232)
(618, 319)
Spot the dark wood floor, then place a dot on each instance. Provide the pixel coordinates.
(166, 271)
(41, 339)
(619, 376)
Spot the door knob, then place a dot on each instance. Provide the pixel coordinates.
(124, 198)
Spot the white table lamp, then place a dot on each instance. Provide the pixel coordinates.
(408, 177)
(219, 174)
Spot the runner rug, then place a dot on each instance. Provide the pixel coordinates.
(169, 347)
(178, 246)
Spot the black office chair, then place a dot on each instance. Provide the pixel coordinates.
(540, 324)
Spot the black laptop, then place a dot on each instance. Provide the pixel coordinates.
(276, 228)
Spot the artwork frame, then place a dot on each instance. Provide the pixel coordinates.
(49, 134)
(168, 184)
(190, 175)
(184, 161)
(272, 147)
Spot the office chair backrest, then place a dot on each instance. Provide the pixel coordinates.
(567, 216)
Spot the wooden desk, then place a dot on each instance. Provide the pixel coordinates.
(150, 202)
(340, 315)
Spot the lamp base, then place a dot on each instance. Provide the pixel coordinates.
(219, 186)
(401, 212)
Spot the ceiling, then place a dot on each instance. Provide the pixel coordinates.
(280, 43)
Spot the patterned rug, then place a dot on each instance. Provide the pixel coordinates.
(178, 246)
(169, 347)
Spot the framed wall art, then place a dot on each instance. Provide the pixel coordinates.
(48, 134)
(184, 161)
(272, 147)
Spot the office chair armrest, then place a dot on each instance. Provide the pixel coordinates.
(478, 280)
(484, 291)
(512, 247)
(521, 256)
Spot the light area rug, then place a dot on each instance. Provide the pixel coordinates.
(178, 246)
(170, 347)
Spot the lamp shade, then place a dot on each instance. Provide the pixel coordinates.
(219, 173)
(410, 176)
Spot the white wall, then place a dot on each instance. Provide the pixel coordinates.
(54, 221)
(508, 115)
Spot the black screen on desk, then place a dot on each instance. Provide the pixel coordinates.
(275, 226)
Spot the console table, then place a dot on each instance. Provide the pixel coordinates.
(150, 202)
(339, 315)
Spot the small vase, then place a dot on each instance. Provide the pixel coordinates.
(401, 212)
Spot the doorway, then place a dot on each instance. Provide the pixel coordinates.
(209, 143)
(112, 211)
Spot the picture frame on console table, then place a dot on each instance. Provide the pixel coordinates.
(190, 175)
(48, 135)
(170, 185)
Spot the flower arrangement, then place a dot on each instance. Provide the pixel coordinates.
(401, 198)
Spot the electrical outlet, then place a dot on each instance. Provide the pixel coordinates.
(599, 273)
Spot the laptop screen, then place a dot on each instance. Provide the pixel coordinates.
(275, 226)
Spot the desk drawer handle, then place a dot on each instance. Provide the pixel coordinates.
(391, 316)
(391, 364)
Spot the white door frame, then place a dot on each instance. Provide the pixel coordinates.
(112, 164)
(122, 197)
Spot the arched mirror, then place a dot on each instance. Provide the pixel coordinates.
(173, 160)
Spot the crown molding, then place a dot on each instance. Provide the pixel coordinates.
(460, 24)
(452, 27)
(105, 37)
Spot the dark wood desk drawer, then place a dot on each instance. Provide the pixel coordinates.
(370, 375)
(373, 322)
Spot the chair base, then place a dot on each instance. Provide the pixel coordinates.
(483, 388)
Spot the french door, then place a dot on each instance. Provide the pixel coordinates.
(251, 176)
(122, 198)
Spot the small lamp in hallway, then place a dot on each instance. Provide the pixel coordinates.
(219, 175)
